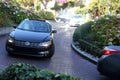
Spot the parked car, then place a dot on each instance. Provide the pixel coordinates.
(62, 18)
(76, 21)
(31, 37)
(109, 63)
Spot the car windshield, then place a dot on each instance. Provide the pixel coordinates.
(34, 25)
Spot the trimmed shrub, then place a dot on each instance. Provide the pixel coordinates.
(46, 15)
(22, 71)
(5, 22)
(49, 16)
(82, 31)
(14, 12)
(103, 32)
(108, 29)
(88, 39)
(92, 49)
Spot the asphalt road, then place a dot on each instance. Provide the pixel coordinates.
(65, 59)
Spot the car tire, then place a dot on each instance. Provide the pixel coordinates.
(51, 51)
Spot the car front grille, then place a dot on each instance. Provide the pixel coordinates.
(26, 44)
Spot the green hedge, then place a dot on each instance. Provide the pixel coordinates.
(101, 33)
(88, 39)
(46, 15)
(82, 31)
(108, 29)
(92, 49)
(14, 13)
(5, 21)
(22, 71)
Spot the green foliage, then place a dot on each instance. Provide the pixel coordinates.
(18, 71)
(82, 10)
(75, 3)
(108, 30)
(24, 3)
(68, 4)
(103, 32)
(22, 71)
(88, 40)
(114, 6)
(46, 15)
(14, 13)
(91, 48)
(3, 17)
(82, 31)
(101, 8)
(56, 7)
(5, 22)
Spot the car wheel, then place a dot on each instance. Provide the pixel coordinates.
(51, 52)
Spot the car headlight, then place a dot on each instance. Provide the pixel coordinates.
(45, 44)
(10, 40)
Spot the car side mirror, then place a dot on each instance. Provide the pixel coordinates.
(14, 26)
(54, 31)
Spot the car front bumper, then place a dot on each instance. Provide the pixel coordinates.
(31, 51)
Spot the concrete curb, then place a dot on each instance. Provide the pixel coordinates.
(84, 54)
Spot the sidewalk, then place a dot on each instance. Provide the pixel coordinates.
(5, 30)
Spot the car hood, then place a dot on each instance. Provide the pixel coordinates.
(30, 36)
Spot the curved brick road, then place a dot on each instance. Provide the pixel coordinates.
(65, 60)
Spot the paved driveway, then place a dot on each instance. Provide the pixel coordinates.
(65, 60)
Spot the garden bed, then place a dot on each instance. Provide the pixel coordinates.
(94, 36)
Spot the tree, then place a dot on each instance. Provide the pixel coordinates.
(25, 3)
(114, 6)
(101, 8)
(44, 3)
(56, 7)
(76, 3)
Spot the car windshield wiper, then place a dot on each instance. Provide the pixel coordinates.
(25, 29)
(21, 28)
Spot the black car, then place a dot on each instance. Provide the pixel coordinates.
(109, 63)
(32, 37)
